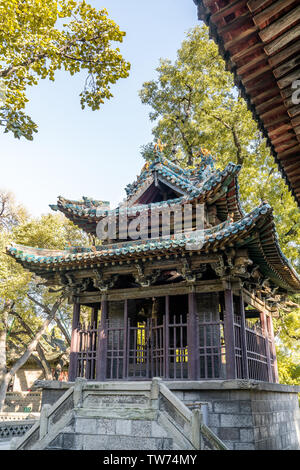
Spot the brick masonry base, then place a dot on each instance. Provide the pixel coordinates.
(244, 414)
(248, 415)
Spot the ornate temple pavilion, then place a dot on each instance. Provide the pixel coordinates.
(171, 304)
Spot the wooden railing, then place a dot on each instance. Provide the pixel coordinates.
(149, 349)
(256, 352)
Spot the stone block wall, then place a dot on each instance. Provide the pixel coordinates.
(248, 415)
(22, 401)
(245, 415)
(112, 434)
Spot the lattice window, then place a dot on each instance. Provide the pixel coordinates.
(141, 342)
(181, 354)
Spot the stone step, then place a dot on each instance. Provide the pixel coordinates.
(77, 441)
(120, 427)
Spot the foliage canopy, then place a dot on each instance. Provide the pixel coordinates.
(39, 37)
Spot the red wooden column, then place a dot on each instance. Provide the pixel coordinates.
(167, 337)
(192, 339)
(229, 335)
(102, 344)
(271, 333)
(94, 316)
(125, 340)
(243, 338)
(264, 327)
(74, 341)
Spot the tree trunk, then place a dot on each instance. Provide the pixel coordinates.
(47, 372)
(3, 389)
(42, 361)
(5, 379)
(64, 331)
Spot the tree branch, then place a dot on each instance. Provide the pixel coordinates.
(43, 307)
(236, 140)
(32, 345)
(42, 55)
(43, 361)
(64, 331)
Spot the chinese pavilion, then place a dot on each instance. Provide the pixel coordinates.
(175, 305)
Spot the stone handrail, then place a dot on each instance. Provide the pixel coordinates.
(186, 426)
(176, 402)
(186, 421)
(190, 422)
(51, 416)
(207, 433)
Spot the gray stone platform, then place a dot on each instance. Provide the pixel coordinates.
(119, 416)
(246, 414)
(181, 415)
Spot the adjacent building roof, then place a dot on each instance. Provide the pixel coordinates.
(260, 42)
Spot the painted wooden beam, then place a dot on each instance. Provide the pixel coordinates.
(125, 340)
(277, 44)
(255, 5)
(270, 12)
(273, 350)
(166, 319)
(282, 56)
(254, 301)
(179, 288)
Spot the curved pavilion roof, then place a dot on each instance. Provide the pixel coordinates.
(219, 187)
(254, 231)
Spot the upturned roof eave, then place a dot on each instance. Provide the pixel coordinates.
(278, 269)
(81, 214)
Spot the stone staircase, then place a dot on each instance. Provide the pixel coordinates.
(119, 416)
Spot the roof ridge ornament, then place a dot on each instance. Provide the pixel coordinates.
(159, 146)
(206, 166)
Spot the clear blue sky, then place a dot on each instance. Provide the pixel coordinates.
(95, 154)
